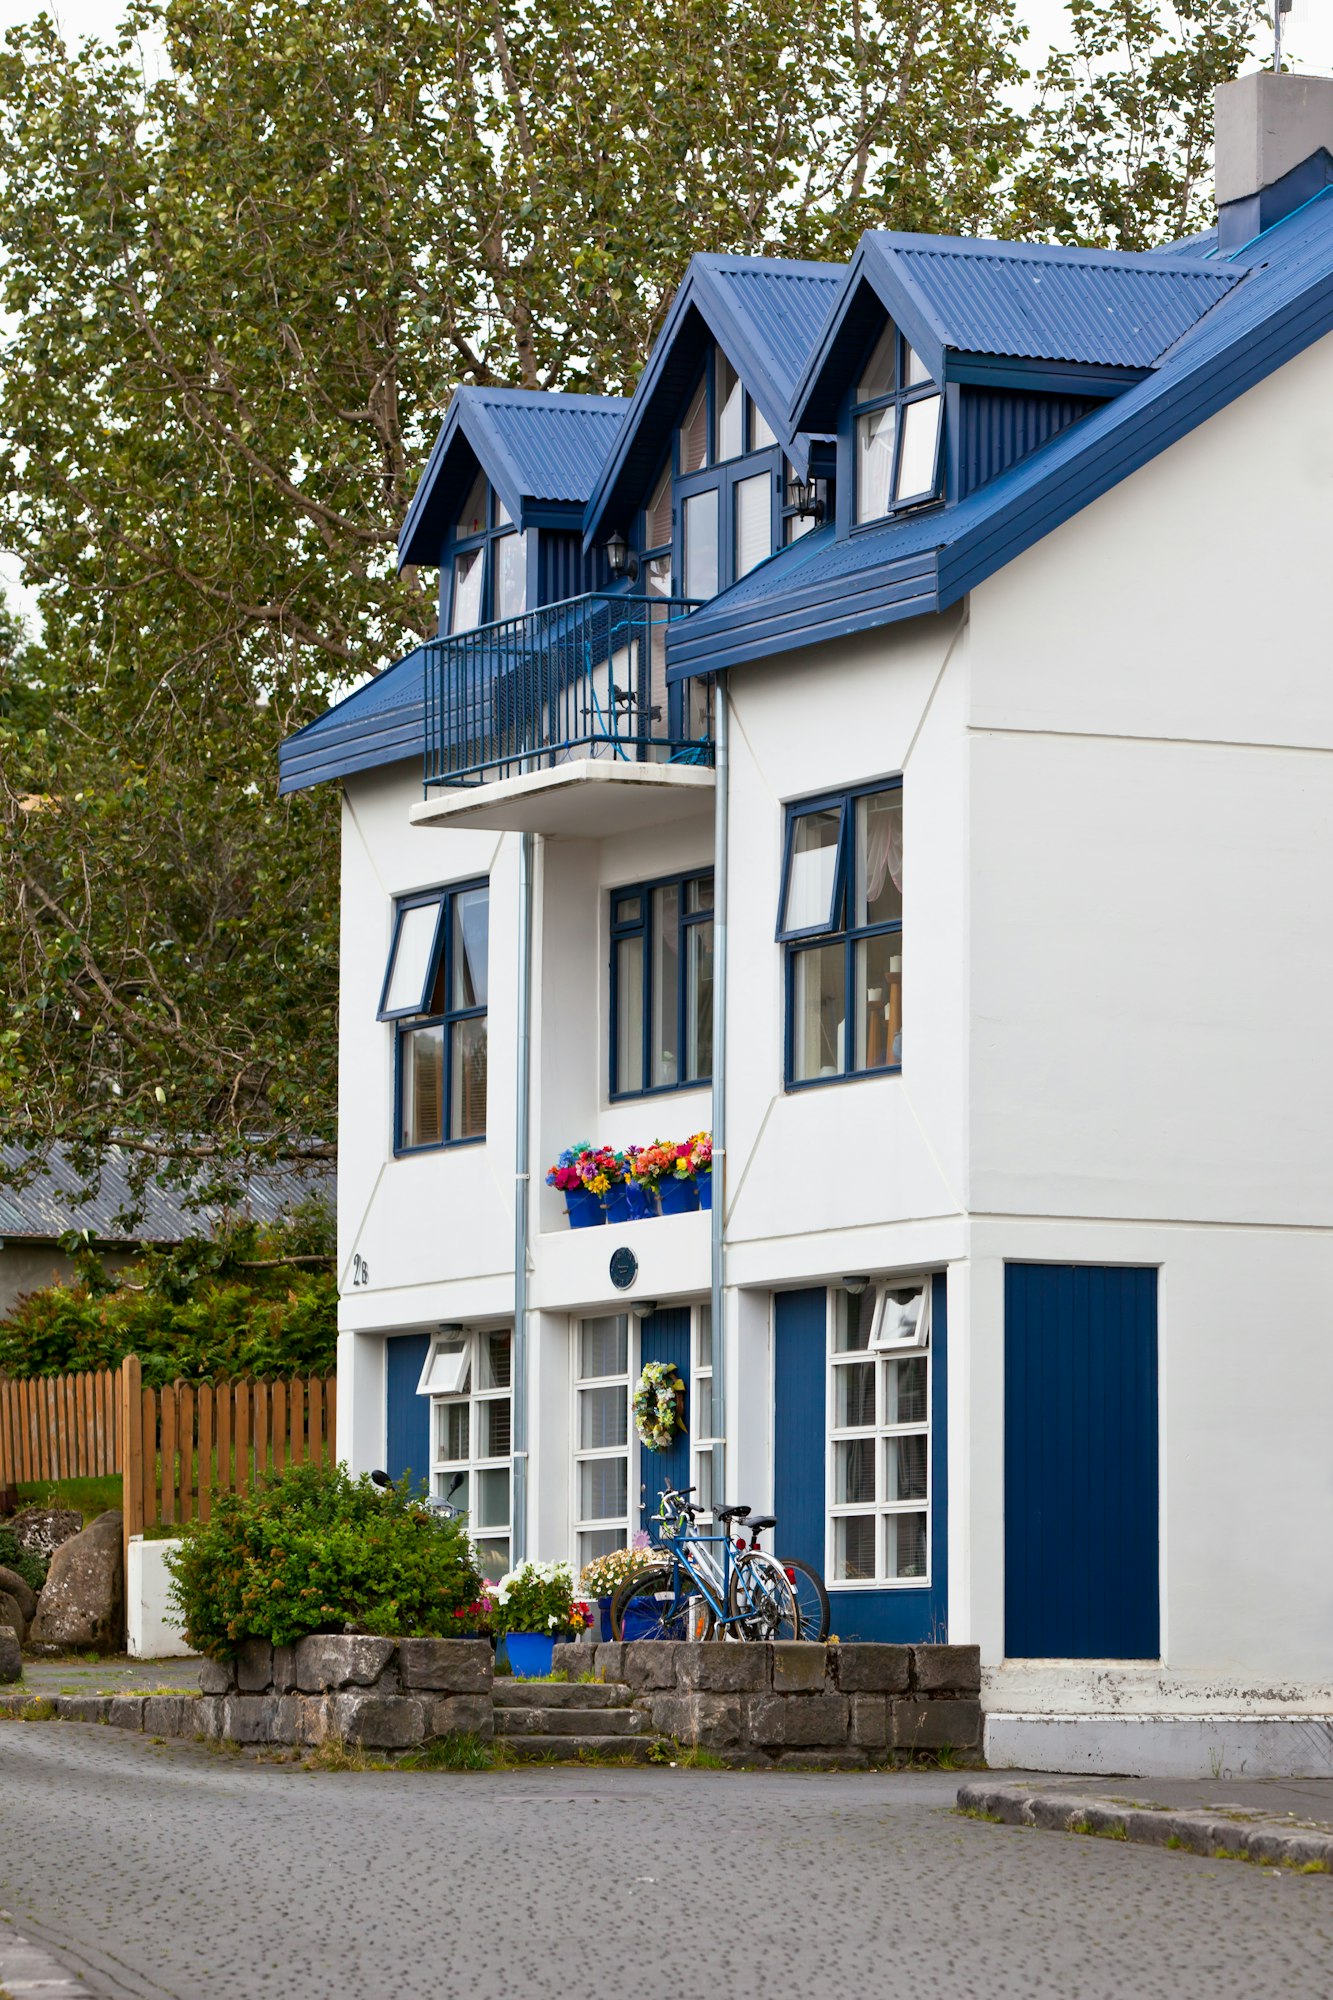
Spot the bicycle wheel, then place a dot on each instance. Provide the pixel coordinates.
(811, 1598)
(761, 1598)
(648, 1605)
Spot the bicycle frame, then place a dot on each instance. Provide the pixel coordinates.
(675, 1546)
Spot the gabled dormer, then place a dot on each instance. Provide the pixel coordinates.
(500, 504)
(699, 488)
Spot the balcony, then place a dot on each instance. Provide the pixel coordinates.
(561, 722)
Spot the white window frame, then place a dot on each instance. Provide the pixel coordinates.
(442, 1467)
(703, 1456)
(579, 1525)
(882, 1354)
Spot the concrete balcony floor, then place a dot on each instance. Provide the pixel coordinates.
(589, 798)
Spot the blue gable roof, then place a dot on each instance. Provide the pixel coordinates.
(766, 314)
(1279, 299)
(380, 723)
(1091, 321)
(542, 452)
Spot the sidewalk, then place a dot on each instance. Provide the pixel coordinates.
(116, 1675)
(1283, 1821)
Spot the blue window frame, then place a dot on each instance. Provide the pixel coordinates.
(484, 569)
(840, 919)
(435, 998)
(662, 985)
(897, 428)
(728, 484)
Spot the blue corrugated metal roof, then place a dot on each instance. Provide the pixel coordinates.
(539, 450)
(822, 589)
(1097, 316)
(766, 314)
(380, 723)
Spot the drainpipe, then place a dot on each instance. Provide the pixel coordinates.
(721, 726)
(522, 1152)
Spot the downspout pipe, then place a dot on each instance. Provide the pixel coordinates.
(717, 1268)
(522, 1198)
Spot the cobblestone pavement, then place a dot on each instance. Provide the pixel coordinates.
(151, 1871)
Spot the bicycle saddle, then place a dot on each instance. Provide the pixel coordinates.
(734, 1513)
(762, 1521)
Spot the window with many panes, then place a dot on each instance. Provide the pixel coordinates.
(487, 573)
(879, 1436)
(467, 1377)
(601, 1435)
(662, 985)
(841, 919)
(434, 993)
(897, 422)
(728, 483)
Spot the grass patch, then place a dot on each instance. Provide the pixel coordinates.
(89, 1497)
(1229, 1854)
(339, 1756)
(1309, 1867)
(460, 1752)
(40, 1710)
(979, 1812)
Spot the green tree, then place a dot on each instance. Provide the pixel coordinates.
(244, 276)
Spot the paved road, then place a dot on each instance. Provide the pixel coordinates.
(172, 1870)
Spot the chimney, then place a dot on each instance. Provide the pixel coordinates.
(1274, 150)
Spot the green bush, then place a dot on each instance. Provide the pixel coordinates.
(317, 1551)
(31, 1568)
(211, 1307)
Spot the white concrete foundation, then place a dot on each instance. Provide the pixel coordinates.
(1163, 1746)
(153, 1632)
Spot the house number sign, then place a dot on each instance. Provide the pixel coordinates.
(360, 1270)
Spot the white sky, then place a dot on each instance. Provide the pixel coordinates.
(1308, 43)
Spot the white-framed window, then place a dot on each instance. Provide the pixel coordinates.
(468, 1379)
(602, 1435)
(704, 1412)
(879, 1497)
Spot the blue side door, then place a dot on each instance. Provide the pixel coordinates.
(407, 1415)
(665, 1336)
(1080, 1462)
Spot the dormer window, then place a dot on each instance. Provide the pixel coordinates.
(897, 412)
(728, 483)
(489, 573)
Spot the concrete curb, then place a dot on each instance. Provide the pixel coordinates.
(26, 1969)
(1244, 1836)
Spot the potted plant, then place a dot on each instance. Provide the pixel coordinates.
(671, 1165)
(602, 1577)
(701, 1159)
(573, 1174)
(534, 1606)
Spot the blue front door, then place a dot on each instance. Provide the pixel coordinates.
(407, 1415)
(1080, 1462)
(665, 1336)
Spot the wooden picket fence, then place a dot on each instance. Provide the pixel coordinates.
(60, 1427)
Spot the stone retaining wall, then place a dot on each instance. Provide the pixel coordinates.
(799, 1702)
(384, 1694)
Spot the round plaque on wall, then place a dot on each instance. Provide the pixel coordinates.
(624, 1268)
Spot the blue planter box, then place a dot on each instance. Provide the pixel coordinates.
(679, 1197)
(530, 1654)
(583, 1208)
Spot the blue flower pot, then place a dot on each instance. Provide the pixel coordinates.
(705, 1187)
(626, 1203)
(604, 1608)
(679, 1197)
(530, 1654)
(583, 1208)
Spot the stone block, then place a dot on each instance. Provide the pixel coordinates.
(249, 1718)
(716, 1667)
(82, 1605)
(11, 1659)
(718, 1720)
(380, 1722)
(217, 1676)
(254, 1666)
(284, 1669)
(935, 1725)
(461, 1715)
(671, 1714)
(947, 1669)
(316, 1717)
(868, 1727)
(84, 1707)
(651, 1663)
(125, 1711)
(333, 1660)
(169, 1715)
(872, 1669)
(208, 1716)
(447, 1666)
(801, 1720)
(609, 1661)
(799, 1667)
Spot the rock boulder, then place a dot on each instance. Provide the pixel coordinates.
(11, 1660)
(11, 1616)
(42, 1530)
(83, 1604)
(23, 1594)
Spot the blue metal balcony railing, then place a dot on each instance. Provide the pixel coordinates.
(583, 678)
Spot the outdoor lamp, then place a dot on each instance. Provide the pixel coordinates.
(643, 1308)
(618, 558)
(855, 1286)
(804, 496)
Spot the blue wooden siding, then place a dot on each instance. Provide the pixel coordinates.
(800, 1377)
(407, 1415)
(563, 570)
(665, 1336)
(1080, 1462)
(998, 427)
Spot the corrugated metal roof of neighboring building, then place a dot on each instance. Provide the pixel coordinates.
(53, 1201)
(380, 723)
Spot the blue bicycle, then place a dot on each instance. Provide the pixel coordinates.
(704, 1586)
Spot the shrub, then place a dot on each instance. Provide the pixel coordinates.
(30, 1567)
(317, 1551)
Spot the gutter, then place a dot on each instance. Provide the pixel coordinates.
(518, 1517)
(717, 1261)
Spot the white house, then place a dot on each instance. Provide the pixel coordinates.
(900, 740)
